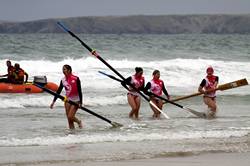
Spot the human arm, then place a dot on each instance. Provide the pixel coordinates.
(59, 90)
(165, 91)
(216, 82)
(126, 82)
(26, 77)
(146, 89)
(79, 89)
(202, 84)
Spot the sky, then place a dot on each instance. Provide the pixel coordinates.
(27, 10)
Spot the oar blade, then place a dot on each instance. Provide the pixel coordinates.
(233, 84)
(116, 125)
(163, 113)
(199, 114)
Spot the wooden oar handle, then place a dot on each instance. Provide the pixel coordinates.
(185, 97)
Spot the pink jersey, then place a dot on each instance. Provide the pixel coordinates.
(210, 83)
(70, 85)
(156, 86)
(137, 82)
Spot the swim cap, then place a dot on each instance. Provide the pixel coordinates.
(210, 70)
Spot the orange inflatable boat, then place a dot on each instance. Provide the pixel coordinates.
(25, 88)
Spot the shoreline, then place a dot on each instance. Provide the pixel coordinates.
(205, 159)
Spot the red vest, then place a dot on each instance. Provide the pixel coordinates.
(137, 82)
(70, 85)
(156, 86)
(210, 82)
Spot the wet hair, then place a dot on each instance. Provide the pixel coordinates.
(155, 72)
(138, 69)
(17, 65)
(8, 62)
(68, 67)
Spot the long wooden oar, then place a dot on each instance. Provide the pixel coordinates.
(199, 114)
(230, 85)
(93, 52)
(63, 98)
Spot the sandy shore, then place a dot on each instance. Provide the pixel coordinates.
(215, 159)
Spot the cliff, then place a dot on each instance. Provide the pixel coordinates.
(141, 24)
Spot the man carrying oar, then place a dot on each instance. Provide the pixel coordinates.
(208, 88)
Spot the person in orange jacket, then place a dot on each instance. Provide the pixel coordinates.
(19, 74)
(9, 75)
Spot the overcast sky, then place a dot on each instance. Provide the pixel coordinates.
(25, 10)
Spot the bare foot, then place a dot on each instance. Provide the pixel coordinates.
(80, 124)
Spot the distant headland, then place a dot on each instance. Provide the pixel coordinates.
(137, 24)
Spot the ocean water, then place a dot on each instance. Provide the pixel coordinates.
(35, 133)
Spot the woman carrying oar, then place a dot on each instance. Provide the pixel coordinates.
(134, 99)
(208, 88)
(156, 86)
(72, 86)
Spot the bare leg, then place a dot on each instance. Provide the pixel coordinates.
(71, 116)
(211, 103)
(67, 107)
(134, 104)
(138, 104)
(159, 104)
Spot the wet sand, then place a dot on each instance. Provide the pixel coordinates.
(214, 159)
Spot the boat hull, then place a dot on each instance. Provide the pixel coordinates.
(25, 88)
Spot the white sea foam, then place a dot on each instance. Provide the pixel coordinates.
(181, 76)
(116, 137)
(45, 100)
(176, 72)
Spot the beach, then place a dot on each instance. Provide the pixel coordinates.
(215, 159)
(33, 134)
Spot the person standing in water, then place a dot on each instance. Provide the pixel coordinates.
(134, 99)
(156, 86)
(207, 87)
(72, 86)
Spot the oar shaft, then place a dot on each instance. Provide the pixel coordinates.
(110, 76)
(73, 103)
(171, 102)
(185, 97)
(73, 35)
(93, 52)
